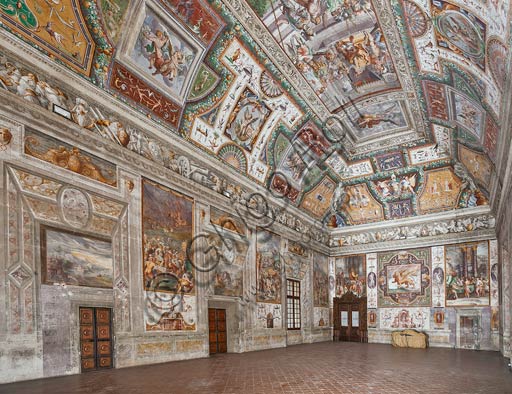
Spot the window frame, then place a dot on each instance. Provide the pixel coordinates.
(293, 300)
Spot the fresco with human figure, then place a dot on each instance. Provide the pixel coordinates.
(163, 55)
(166, 233)
(350, 275)
(337, 46)
(467, 274)
(320, 281)
(268, 265)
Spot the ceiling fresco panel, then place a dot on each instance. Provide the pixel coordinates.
(337, 46)
(58, 27)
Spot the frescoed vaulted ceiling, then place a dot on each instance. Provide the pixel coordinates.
(354, 111)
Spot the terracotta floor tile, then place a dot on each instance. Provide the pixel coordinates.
(323, 368)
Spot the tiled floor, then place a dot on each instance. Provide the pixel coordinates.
(319, 368)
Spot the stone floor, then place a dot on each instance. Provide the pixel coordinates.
(319, 368)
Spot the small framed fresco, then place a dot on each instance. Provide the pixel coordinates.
(75, 259)
(467, 274)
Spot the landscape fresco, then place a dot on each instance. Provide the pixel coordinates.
(75, 259)
(167, 230)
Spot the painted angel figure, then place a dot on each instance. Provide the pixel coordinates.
(162, 56)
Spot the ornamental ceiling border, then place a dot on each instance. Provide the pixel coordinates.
(258, 31)
(289, 217)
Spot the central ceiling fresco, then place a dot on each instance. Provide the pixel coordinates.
(354, 111)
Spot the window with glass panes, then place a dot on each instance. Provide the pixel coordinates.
(293, 304)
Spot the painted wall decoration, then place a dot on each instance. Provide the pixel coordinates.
(167, 227)
(320, 281)
(467, 274)
(394, 186)
(460, 31)
(318, 200)
(389, 161)
(437, 100)
(228, 255)
(348, 170)
(169, 312)
(372, 120)
(113, 12)
(198, 16)
(495, 273)
(396, 318)
(371, 280)
(491, 137)
(361, 207)
(226, 221)
(321, 317)
(247, 119)
(469, 115)
(252, 108)
(164, 55)
(296, 261)
(56, 152)
(351, 275)
(269, 315)
(57, 27)
(497, 59)
(478, 164)
(132, 87)
(438, 277)
(335, 65)
(404, 278)
(441, 191)
(268, 267)
(400, 209)
(75, 259)
(313, 138)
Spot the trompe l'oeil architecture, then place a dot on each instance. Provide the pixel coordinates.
(168, 163)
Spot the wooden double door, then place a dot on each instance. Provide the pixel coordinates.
(217, 330)
(350, 318)
(95, 338)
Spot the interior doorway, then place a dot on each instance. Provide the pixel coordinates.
(350, 318)
(217, 330)
(96, 350)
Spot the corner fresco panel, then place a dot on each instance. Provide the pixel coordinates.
(467, 274)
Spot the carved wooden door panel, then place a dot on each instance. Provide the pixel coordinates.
(95, 338)
(217, 330)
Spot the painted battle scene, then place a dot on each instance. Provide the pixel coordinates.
(320, 281)
(163, 54)
(75, 259)
(268, 264)
(338, 46)
(467, 274)
(167, 227)
(351, 275)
